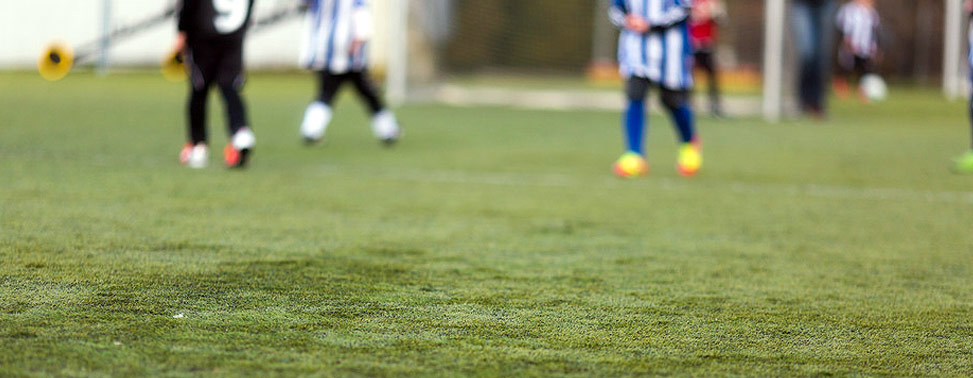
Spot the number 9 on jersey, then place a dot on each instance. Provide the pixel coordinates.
(231, 14)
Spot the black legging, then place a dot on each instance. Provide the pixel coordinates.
(328, 85)
(706, 60)
(235, 111)
(217, 63)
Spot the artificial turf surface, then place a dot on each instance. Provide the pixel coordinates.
(491, 241)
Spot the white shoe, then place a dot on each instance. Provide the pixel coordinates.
(385, 127)
(316, 120)
(244, 139)
(198, 157)
(237, 152)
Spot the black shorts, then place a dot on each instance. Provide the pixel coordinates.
(215, 61)
(849, 63)
(636, 89)
(329, 84)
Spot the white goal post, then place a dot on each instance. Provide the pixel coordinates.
(954, 72)
(773, 76)
(397, 76)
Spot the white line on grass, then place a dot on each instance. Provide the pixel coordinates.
(559, 180)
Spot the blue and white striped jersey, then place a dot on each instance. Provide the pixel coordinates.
(663, 55)
(859, 28)
(332, 29)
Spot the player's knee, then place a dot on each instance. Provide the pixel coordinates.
(636, 88)
(231, 84)
(230, 88)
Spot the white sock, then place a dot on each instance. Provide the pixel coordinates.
(316, 120)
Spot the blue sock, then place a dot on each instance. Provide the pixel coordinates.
(634, 126)
(683, 117)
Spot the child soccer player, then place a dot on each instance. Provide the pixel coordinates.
(211, 34)
(704, 26)
(654, 51)
(336, 47)
(964, 163)
(858, 23)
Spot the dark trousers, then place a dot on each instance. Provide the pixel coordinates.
(852, 65)
(329, 84)
(813, 25)
(706, 60)
(637, 88)
(220, 63)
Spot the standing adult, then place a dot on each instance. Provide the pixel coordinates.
(813, 26)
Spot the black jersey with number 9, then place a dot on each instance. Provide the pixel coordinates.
(215, 19)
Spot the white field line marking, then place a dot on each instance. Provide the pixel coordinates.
(558, 99)
(837, 192)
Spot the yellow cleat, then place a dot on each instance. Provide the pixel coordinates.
(690, 159)
(630, 165)
(964, 163)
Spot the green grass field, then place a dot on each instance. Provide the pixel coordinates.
(491, 241)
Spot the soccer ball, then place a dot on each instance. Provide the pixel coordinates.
(874, 87)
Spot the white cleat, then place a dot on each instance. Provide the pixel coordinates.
(316, 120)
(237, 153)
(244, 139)
(198, 157)
(385, 127)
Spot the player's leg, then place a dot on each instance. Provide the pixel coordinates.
(199, 63)
(700, 64)
(676, 103)
(970, 105)
(230, 80)
(318, 114)
(706, 60)
(964, 163)
(634, 125)
(632, 163)
(690, 157)
(844, 69)
(825, 31)
(802, 24)
(862, 68)
(812, 23)
(384, 125)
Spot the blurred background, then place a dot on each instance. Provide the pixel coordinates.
(455, 46)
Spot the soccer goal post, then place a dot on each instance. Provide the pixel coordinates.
(398, 59)
(773, 75)
(953, 71)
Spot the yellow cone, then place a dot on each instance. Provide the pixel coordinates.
(56, 61)
(174, 68)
